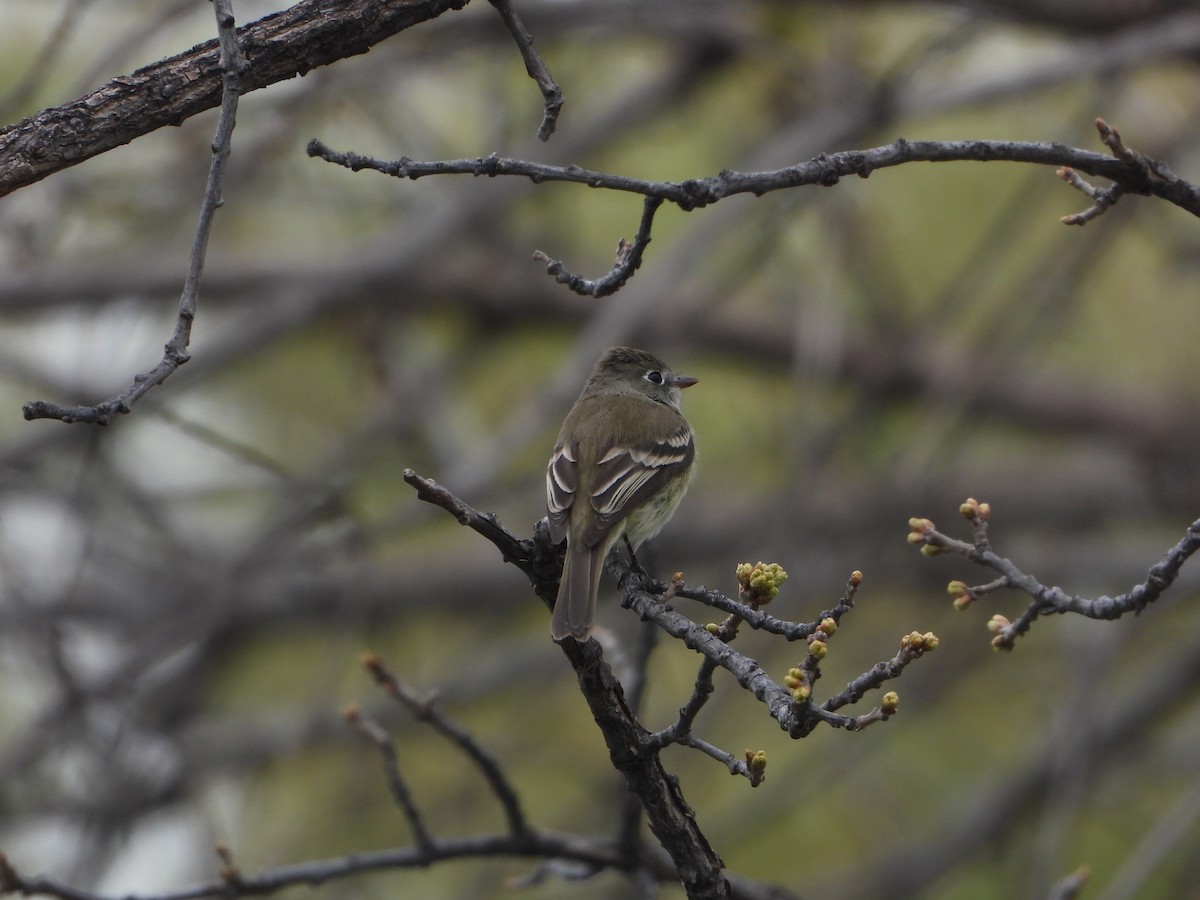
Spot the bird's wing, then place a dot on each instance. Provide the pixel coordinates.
(562, 481)
(626, 475)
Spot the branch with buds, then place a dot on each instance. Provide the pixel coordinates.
(1047, 600)
(789, 700)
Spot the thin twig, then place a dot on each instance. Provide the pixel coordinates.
(1129, 172)
(825, 170)
(519, 553)
(377, 735)
(736, 766)
(426, 710)
(552, 95)
(175, 353)
(1070, 886)
(757, 619)
(1047, 600)
(912, 647)
(628, 261)
(1144, 172)
(538, 845)
(679, 730)
(702, 688)
(1102, 198)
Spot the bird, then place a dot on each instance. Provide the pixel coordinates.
(622, 462)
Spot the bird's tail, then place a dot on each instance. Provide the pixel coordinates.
(575, 608)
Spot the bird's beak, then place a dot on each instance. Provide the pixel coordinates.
(682, 381)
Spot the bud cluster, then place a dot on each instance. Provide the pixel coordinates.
(799, 683)
(919, 643)
(759, 584)
(799, 679)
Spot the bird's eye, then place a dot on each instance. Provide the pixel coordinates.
(654, 376)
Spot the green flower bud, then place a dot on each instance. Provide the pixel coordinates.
(756, 761)
(762, 580)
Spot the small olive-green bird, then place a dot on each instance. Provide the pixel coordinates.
(621, 465)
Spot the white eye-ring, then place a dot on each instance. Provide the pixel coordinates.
(654, 376)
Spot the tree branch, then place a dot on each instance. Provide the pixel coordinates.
(427, 711)
(628, 261)
(1137, 175)
(1130, 172)
(668, 814)
(633, 750)
(377, 735)
(270, 881)
(1047, 600)
(536, 67)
